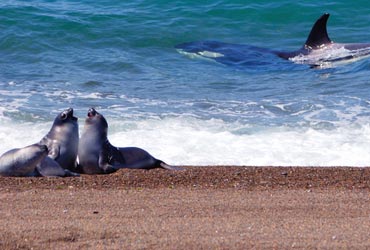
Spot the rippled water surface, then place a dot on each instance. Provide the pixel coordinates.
(120, 58)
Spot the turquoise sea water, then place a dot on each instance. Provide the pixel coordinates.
(119, 57)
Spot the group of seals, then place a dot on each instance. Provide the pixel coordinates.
(57, 152)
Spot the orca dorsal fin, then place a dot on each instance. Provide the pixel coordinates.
(318, 35)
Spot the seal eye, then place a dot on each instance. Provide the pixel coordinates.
(63, 116)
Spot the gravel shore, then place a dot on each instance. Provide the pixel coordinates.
(220, 207)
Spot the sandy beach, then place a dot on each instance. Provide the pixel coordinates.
(219, 207)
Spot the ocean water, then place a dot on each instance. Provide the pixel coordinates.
(120, 57)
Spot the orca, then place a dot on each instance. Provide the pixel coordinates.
(318, 50)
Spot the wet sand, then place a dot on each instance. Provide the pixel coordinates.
(198, 208)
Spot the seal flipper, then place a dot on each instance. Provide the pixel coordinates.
(50, 168)
(318, 35)
(161, 164)
(53, 147)
(104, 163)
(54, 151)
(68, 173)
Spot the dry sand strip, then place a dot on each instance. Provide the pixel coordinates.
(198, 208)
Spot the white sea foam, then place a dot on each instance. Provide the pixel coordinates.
(331, 56)
(212, 142)
(192, 141)
(20, 135)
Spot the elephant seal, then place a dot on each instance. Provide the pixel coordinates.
(97, 156)
(22, 162)
(62, 140)
(31, 161)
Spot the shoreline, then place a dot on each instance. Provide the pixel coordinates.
(213, 207)
(244, 177)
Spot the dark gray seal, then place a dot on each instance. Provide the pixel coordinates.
(22, 162)
(62, 140)
(31, 161)
(97, 156)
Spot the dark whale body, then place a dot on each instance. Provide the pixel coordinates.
(318, 50)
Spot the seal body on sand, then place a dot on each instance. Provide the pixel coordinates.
(97, 156)
(62, 140)
(21, 162)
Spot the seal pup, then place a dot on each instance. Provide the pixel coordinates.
(22, 162)
(31, 161)
(62, 140)
(318, 50)
(97, 156)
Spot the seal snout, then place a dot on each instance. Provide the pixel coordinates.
(91, 113)
(43, 148)
(70, 114)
